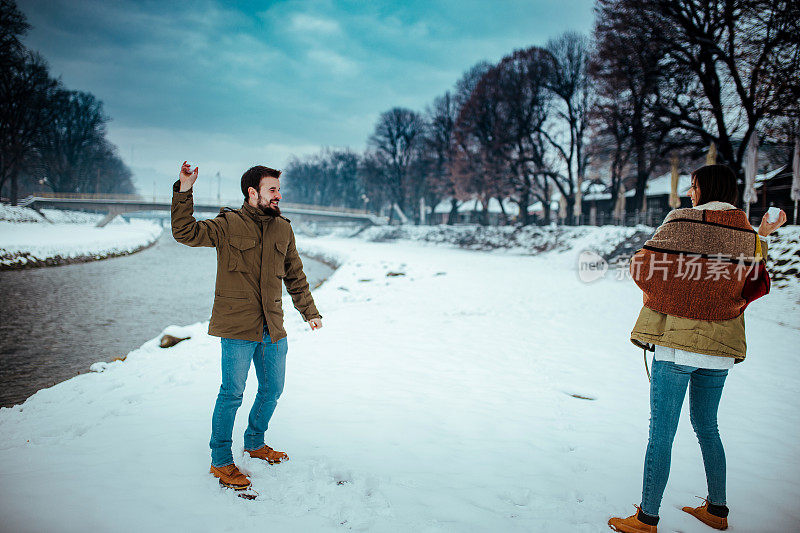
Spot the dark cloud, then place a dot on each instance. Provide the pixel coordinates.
(238, 85)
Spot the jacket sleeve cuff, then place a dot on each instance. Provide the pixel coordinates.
(177, 194)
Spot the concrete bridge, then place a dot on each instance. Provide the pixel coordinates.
(117, 204)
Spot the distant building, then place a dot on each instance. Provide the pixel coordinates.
(597, 206)
(657, 192)
(470, 212)
(773, 189)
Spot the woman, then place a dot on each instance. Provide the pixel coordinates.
(694, 272)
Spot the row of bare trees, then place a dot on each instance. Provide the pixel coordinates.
(658, 78)
(516, 130)
(50, 137)
(673, 77)
(328, 178)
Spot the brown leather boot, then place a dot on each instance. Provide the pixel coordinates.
(269, 455)
(632, 524)
(230, 476)
(702, 514)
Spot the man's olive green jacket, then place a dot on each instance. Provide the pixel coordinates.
(255, 253)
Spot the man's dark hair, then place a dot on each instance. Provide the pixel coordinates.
(252, 178)
(717, 183)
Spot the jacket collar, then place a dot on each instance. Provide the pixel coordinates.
(715, 206)
(256, 214)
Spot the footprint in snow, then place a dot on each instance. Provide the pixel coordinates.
(315, 485)
(519, 497)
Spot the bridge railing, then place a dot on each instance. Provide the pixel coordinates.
(89, 196)
(128, 198)
(332, 209)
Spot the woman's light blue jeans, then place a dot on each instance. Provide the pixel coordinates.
(270, 361)
(667, 390)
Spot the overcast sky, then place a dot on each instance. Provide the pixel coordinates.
(230, 85)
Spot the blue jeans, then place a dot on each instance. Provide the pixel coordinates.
(270, 362)
(667, 390)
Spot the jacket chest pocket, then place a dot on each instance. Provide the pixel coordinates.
(280, 258)
(241, 253)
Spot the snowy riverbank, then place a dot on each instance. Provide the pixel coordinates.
(443, 394)
(514, 239)
(28, 240)
(614, 243)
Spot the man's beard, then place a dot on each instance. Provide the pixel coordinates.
(267, 209)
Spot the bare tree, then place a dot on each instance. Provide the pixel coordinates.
(48, 135)
(12, 27)
(328, 178)
(520, 84)
(468, 81)
(394, 145)
(26, 90)
(569, 81)
(67, 147)
(25, 87)
(372, 174)
(628, 75)
(610, 140)
(109, 173)
(730, 64)
(479, 165)
(439, 149)
(460, 166)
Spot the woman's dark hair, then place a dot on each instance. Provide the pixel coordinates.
(252, 178)
(716, 183)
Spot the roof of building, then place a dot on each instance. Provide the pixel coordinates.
(658, 186)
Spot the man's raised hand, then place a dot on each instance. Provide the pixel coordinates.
(187, 176)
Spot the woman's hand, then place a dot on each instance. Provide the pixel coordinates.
(768, 227)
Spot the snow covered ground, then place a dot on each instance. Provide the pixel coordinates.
(515, 239)
(27, 239)
(445, 393)
(784, 256)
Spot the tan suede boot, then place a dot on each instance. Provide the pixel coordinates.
(230, 476)
(632, 524)
(269, 455)
(702, 514)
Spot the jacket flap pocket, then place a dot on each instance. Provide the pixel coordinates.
(232, 293)
(281, 246)
(242, 242)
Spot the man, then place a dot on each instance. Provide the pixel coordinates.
(255, 251)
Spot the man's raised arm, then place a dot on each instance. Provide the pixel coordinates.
(185, 228)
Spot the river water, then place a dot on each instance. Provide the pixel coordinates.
(56, 321)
